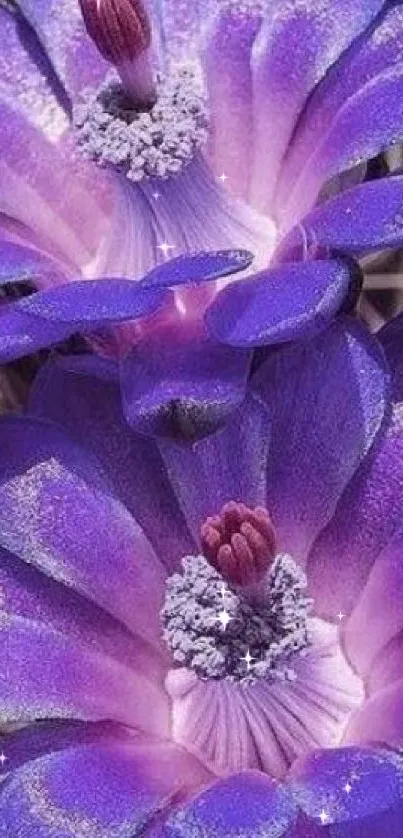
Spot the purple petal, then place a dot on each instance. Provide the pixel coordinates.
(368, 58)
(374, 806)
(325, 401)
(366, 519)
(90, 410)
(22, 264)
(295, 48)
(378, 615)
(61, 213)
(227, 55)
(182, 389)
(293, 301)
(391, 339)
(47, 317)
(61, 30)
(113, 789)
(96, 547)
(380, 719)
(366, 218)
(247, 805)
(368, 123)
(196, 268)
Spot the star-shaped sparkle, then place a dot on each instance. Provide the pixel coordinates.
(348, 788)
(323, 817)
(248, 659)
(341, 616)
(156, 195)
(224, 618)
(223, 177)
(164, 247)
(3, 759)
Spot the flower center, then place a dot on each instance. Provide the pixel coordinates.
(142, 143)
(223, 631)
(239, 543)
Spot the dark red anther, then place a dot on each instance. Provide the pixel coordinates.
(240, 543)
(120, 28)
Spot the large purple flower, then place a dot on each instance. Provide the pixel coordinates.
(208, 637)
(218, 128)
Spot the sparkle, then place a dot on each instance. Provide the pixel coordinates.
(224, 618)
(248, 659)
(347, 788)
(3, 759)
(156, 195)
(165, 248)
(341, 616)
(223, 177)
(323, 817)
(223, 591)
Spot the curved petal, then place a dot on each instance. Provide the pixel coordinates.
(391, 339)
(374, 805)
(295, 48)
(282, 304)
(378, 615)
(247, 805)
(360, 220)
(113, 790)
(49, 316)
(95, 547)
(367, 123)
(90, 410)
(23, 264)
(380, 719)
(60, 28)
(366, 519)
(198, 267)
(182, 388)
(379, 49)
(326, 401)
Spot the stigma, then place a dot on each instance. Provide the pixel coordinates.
(218, 631)
(240, 543)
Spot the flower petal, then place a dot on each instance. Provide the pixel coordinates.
(111, 789)
(374, 806)
(380, 719)
(306, 38)
(360, 220)
(198, 267)
(378, 50)
(366, 519)
(91, 411)
(49, 316)
(242, 806)
(183, 389)
(96, 547)
(23, 264)
(326, 401)
(282, 304)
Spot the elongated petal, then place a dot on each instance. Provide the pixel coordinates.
(374, 804)
(196, 268)
(112, 789)
(296, 46)
(23, 264)
(182, 389)
(247, 805)
(364, 219)
(367, 517)
(278, 305)
(324, 412)
(91, 410)
(96, 547)
(380, 719)
(52, 315)
(379, 49)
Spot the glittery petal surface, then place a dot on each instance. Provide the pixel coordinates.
(335, 388)
(96, 548)
(110, 790)
(293, 301)
(368, 515)
(373, 807)
(91, 410)
(182, 389)
(367, 58)
(245, 805)
(198, 267)
(297, 44)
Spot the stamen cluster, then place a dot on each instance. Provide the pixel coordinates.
(269, 629)
(156, 142)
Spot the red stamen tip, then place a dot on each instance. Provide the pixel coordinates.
(240, 543)
(120, 28)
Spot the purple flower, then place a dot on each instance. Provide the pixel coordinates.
(216, 128)
(207, 636)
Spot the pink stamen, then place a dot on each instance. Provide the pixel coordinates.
(239, 542)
